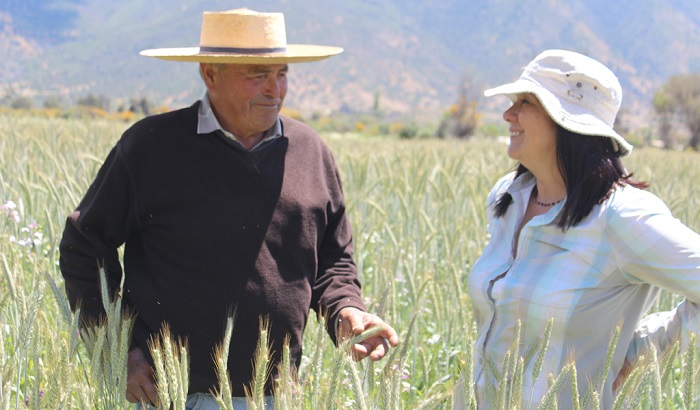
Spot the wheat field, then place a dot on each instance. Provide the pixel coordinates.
(417, 209)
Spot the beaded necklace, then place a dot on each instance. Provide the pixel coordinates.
(547, 204)
(544, 204)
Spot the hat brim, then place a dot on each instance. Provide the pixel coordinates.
(295, 53)
(569, 116)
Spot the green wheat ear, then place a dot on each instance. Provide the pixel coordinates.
(576, 401)
(171, 362)
(316, 364)
(220, 356)
(656, 385)
(416, 199)
(356, 383)
(690, 384)
(599, 382)
(285, 384)
(626, 392)
(161, 377)
(107, 343)
(549, 401)
(336, 371)
(261, 368)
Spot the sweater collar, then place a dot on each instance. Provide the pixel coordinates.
(208, 123)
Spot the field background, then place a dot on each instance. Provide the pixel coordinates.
(417, 208)
(409, 56)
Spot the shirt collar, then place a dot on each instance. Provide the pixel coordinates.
(208, 123)
(522, 185)
(521, 189)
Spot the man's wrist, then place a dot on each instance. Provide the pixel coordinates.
(339, 317)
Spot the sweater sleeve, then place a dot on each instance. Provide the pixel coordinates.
(660, 251)
(337, 285)
(92, 235)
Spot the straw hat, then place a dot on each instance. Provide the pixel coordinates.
(244, 36)
(579, 93)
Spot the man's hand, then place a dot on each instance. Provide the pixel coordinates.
(139, 379)
(353, 322)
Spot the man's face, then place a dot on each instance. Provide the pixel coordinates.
(246, 98)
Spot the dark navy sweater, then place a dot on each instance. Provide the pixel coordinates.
(209, 227)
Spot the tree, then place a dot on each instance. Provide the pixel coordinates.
(462, 118)
(664, 114)
(140, 106)
(22, 103)
(97, 101)
(53, 101)
(680, 98)
(377, 102)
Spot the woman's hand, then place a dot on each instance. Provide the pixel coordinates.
(622, 376)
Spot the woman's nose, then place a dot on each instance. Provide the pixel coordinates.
(510, 114)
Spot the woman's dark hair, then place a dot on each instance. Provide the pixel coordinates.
(591, 169)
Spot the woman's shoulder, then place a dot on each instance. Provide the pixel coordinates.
(628, 201)
(513, 182)
(510, 182)
(504, 182)
(500, 187)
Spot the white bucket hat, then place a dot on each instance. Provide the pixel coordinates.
(579, 93)
(244, 36)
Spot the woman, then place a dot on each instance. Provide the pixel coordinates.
(575, 240)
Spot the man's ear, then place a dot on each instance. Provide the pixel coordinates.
(208, 73)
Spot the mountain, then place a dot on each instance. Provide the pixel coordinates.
(410, 56)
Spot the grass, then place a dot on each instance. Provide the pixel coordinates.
(417, 208)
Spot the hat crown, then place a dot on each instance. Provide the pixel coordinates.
(579, 93)
(243, 29)
(244, 36)
(583, 82)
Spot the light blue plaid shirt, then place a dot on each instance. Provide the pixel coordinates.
(604, 272)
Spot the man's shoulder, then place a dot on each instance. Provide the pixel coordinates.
(292, 127)
(151, 134)
(182, 119)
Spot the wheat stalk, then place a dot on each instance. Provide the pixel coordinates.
(542, 353)
(285, 383)
(261, 368)
(410, 203)
(221, 353)
(689, 383)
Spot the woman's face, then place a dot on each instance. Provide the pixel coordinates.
(533, 140)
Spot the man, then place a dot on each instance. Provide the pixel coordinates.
(222, 205)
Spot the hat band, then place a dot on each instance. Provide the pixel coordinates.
(235, 50)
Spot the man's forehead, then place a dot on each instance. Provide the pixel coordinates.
(264, 68)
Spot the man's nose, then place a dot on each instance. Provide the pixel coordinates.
(272, 86)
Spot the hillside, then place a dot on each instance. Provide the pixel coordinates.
(410, 54)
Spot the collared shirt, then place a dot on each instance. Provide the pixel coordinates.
(604, 272)
(208, 123)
